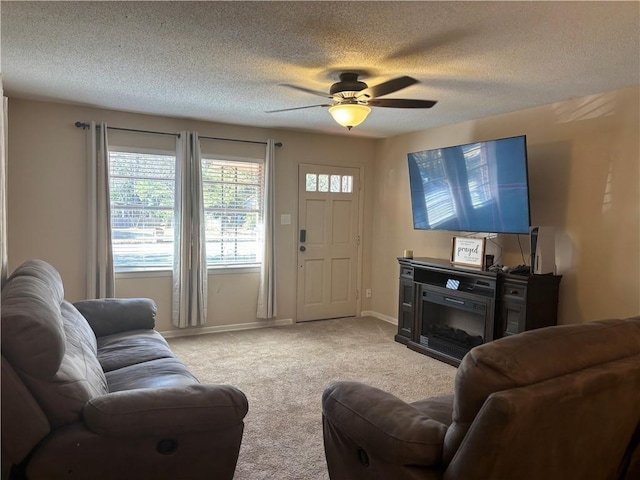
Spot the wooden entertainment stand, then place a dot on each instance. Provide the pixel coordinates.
(445, 310)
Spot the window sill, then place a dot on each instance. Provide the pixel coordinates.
(222, 270)
(143, 273)
(233, 269)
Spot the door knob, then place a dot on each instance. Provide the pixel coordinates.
(303, 248)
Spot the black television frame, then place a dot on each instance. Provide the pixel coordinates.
(524, 209)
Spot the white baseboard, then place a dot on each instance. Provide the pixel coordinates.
(386, 318)
(186, 332)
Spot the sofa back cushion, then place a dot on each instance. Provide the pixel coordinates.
(24, 423)
(33, 337)
(49, 343)
(533, 357)
(42, 270)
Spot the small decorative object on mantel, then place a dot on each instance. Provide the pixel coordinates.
(408, 254)
(468, 251)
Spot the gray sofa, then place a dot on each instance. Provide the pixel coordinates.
(555, 403)
(90, 390)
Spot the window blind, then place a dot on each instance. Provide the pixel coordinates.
(233, 205)
(142, 193)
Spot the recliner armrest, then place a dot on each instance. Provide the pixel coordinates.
(166, 411)
(383, 425)
(107, 316)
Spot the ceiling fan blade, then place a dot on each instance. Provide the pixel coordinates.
(387, 87)
(298, 108)
(401, 103)
(307, 90)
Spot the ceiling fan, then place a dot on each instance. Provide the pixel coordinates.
(352, 98)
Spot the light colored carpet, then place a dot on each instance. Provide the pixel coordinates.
(283, 372)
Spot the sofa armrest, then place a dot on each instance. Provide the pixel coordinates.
(383, 425)
(114, 315)
(165, 411)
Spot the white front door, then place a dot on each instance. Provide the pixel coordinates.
(327, 242)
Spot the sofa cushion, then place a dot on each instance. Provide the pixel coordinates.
(19, 436)
(78, 379)
(129, 348)
(42, 270)
(108, 316)
(166, 411)
(33, 337)
(49, 343)
(437, 408)
(163, 372)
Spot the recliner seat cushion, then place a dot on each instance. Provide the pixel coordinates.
(163, 372)
(437, 408)
(129, 348)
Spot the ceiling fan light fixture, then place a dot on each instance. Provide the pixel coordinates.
(349, 114)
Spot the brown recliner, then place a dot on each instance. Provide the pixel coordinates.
(100, 395)
(555, 403)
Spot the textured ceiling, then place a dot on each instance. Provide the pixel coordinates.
(226, 61)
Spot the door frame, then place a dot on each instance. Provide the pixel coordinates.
(361, 173)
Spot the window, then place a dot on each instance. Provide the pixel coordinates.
(233, 209)
(142, 190)
(475, 158)
(328, 183)
(437, 188)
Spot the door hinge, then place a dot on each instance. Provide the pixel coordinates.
(358, 242)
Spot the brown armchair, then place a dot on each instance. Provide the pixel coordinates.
(555, 403)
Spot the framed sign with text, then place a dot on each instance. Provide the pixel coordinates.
(468, 251)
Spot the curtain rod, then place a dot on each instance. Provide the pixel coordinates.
(86, 125)
(279, 144)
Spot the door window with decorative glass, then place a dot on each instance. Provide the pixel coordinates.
(325, 182)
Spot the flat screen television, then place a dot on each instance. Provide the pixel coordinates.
(477, 187)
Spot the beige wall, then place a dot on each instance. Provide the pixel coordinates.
(584, 158)
(47, 198)
(583, 167)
